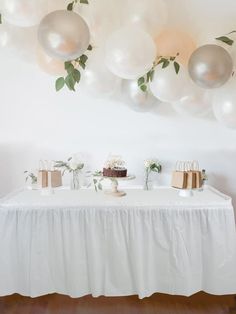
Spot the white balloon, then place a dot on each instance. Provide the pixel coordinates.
(136, 99)
(18, 42)
(169, 86)
(103, 18)
(130, 52)
(224, 104)
(149, 14)
(24, 13)
(64, 35)
(96, 79)
(197, 103)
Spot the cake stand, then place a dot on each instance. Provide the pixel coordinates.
(186, 192)
(114, 184)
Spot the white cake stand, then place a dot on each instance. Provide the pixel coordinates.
(114, 185)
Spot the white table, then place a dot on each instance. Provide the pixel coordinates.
(82, 242)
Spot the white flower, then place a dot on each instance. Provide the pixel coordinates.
(149, 162)
(114, 162)
(73, 165)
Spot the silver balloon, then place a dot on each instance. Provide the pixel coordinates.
(136, 99)
(63, 35)
(224, 104)
(210, 66)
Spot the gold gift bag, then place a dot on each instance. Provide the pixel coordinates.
(179, 176)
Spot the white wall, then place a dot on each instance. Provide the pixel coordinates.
(36, 122)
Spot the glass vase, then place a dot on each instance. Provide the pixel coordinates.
(75, 183)
(148, 184)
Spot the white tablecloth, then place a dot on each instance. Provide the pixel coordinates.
(83, 242)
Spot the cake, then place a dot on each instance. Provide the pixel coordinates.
(114, 167)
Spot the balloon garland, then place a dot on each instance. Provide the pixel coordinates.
(148, 61)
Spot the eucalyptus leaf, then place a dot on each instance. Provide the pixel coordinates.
(225, 40)
(76, 75)
(141, 81)
(84, 1)
(70, 82)
(83, 58)
(165, 64)
(143, 88)
(0, 18)
(83, 66)
(70, 6)
(177, 67)
(69, 68)
(60, 82)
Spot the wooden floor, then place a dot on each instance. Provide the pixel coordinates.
(200, 303)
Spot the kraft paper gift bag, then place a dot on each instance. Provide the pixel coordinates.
(197, 173)
(179, 176)
(191, 180)
(56, 177)
(42, 178)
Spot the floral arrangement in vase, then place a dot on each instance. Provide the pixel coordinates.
(151, 165)
(32, 177)
(73, 167)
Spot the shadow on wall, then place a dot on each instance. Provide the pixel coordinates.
(14, 160)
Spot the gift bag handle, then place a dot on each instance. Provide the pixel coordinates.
(195, 165)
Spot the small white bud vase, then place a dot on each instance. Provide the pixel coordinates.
(75, 183)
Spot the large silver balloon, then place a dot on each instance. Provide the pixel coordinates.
(210, 66)
(64, 35)
(136, 99)
(224, 104)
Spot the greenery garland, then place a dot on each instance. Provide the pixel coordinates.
(73, 73)
(143, 81)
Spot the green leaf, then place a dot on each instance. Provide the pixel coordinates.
(70, 82)
(165, 64)
(143, 88)
(0, 18)
(141, 81)
(177, 67)
(83, 65)
(70, 6)
(162, 60)
(84, 1)
(76, 75)
(60, 82)
(152, 75)
(90, 47)
(225, 40)
(66, 64)
(83, 58)
(69, 67)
